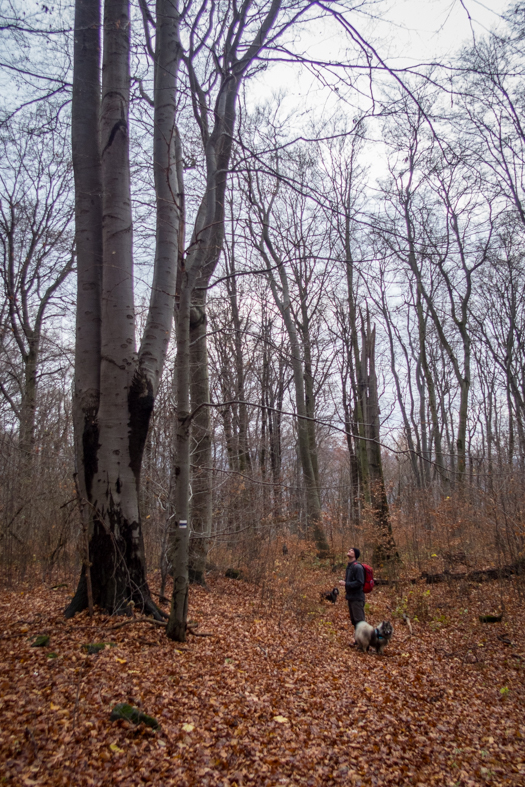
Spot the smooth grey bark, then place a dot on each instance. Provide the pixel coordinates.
(129, 380)
(169, 192)
(116, 549)
(88, 239)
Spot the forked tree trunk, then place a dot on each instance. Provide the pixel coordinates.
(114, 426)
(115, 544)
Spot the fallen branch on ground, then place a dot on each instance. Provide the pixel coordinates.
(505, 572)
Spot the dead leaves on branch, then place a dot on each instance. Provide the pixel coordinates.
(275, 697)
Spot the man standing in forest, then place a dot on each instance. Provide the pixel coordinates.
(354, 582)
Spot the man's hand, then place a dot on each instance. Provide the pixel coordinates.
(342, 582)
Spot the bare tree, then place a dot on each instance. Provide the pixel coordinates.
(116, 386)
(36, 238)
(289, 241)
(227, 52)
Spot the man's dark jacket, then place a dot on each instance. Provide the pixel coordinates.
(354, 581)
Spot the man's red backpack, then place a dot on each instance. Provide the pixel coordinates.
(369, 578)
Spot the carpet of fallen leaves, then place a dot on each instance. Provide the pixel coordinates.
(275, 697)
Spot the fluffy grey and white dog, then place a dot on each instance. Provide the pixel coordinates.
(367, 636)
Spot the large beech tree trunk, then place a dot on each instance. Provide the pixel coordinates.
(115, 386)
(88, 236)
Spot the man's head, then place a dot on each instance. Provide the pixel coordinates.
(353, 554)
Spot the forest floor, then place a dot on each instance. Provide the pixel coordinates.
(275, 696)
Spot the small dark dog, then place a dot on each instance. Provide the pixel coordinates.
(366, 636)
(330, 596)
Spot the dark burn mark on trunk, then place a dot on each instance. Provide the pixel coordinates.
(118, 572)
(140, 407)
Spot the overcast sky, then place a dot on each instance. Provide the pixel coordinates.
(431, 29)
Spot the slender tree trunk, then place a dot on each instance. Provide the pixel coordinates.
(26, 440)
(351, 441)
(400, 398)
(425, 451)
(274, 427)
(179, 532)
(201, 453)
(432, 399)
(309, 395)
(244, 454)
